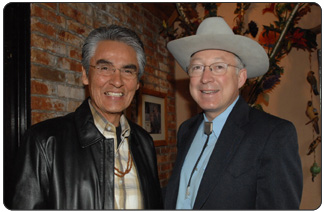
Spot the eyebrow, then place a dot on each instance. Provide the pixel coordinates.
(131, 66)
(103, 61)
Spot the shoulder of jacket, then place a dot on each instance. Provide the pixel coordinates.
(193, 120)
(267, 119)
(42, 131)
(54, 123)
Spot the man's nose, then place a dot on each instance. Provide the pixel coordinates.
(207, 75)
(116, 79)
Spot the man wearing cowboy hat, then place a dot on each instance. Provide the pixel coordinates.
(230, 156)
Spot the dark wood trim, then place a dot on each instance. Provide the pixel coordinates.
(16, 84)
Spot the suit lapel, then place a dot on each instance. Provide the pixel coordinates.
(186, 135)
(225, 148)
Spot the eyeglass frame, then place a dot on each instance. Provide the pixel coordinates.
(209, 66)
(114, 70)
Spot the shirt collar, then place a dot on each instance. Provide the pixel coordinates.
(219, 121)
(104, 125)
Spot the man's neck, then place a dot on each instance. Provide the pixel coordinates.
(113, 118)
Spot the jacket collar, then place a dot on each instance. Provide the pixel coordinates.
(87, 131)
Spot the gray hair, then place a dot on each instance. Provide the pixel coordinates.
(239, 64)
(114, 33)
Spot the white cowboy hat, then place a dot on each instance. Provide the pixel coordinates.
(214, 33)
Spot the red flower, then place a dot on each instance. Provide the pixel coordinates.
(298, 38)
(268, 39)
(269, 9)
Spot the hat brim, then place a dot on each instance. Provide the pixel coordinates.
(249, 51)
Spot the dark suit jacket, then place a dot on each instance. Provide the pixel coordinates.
(255, 163)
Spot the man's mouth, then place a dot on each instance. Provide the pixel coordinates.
(209, 92)
(114, 94)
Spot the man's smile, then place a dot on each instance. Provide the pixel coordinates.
(114, 94)
(209, 91)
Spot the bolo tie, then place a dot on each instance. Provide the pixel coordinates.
(208, 128)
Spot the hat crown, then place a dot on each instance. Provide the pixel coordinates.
(214, 25)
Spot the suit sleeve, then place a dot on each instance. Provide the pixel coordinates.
(280, 179)
(31, 177)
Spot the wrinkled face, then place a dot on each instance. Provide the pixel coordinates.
(112, 94)
(215, 93)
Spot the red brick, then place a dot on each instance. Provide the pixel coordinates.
(77, 28)
(55, 19)
(83, 7)
(40, 72)
(147, 33)
(71, 12)
(161, 158)
(50, 5)
(69, 64)
(38, 87)
(147, 15)
(134, 6)
(38, 11)
(74, 79)
(70, 38)
(43, 103)
(137, 16)
(74, 52)
(166, 167)
(72, 105)
(37, 26)
(48, 44)
(42, 57)
(149, 69)
(117, 14)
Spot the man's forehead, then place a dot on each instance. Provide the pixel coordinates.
(215, 51)
(103, 61)
(215, 54)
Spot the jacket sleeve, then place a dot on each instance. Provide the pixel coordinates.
(31, 175)
(280, 179)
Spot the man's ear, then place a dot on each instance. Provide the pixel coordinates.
(242, 76)
(138, 85)
(85, 79)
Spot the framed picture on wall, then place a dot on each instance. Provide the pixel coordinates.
(152, 115)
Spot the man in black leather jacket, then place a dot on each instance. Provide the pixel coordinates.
(93, 158)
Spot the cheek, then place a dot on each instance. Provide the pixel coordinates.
(96, 81)
(132, 88)
(193, 89)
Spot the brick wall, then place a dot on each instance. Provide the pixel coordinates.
(57, 34)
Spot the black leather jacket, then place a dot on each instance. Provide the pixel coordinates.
(66, 163)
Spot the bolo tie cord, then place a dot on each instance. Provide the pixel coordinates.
(202, 151)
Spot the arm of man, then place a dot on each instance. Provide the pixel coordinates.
(280, 179)
(31, 176)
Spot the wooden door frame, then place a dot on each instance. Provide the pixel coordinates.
(16, 85)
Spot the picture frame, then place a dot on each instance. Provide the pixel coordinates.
(152, 115)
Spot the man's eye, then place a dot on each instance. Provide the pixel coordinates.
(194, 68)
(129, 71)
(104, 68)
(218, 67)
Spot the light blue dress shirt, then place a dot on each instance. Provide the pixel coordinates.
(186, 199)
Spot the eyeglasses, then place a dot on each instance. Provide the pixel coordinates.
(196, 70)
(108, 70)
